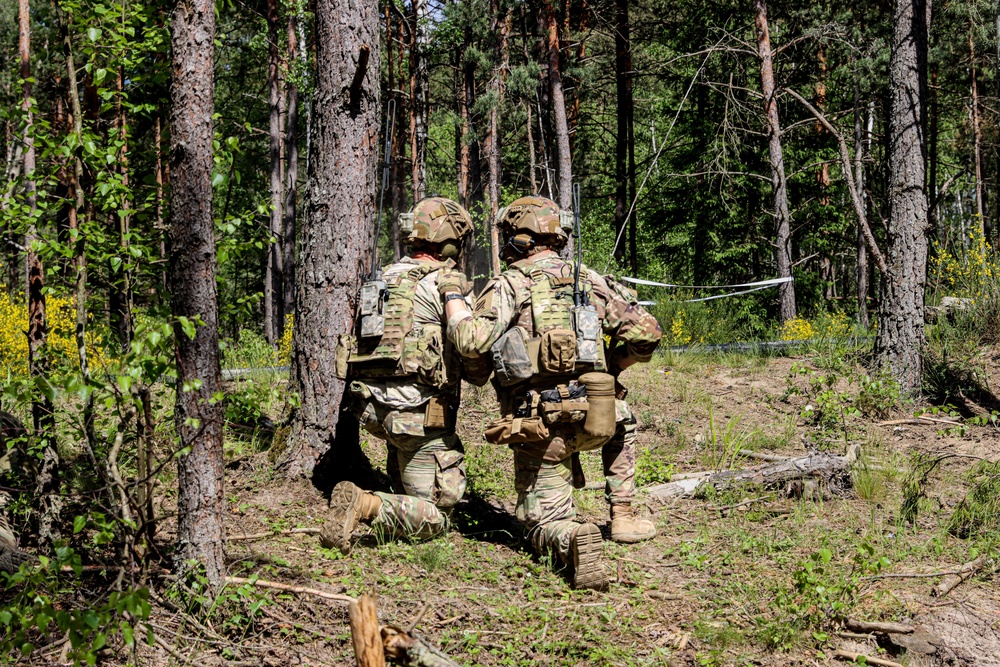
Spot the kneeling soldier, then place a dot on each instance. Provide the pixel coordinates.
(405, 382)
(542, 324)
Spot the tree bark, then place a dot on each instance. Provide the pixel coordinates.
(273, 290)
(481, 264)
(339, 222)
(564, 158)
(900, 334)
(782, 251)
(932, 155)
(200, 506)
(624, 176)
(290, 207)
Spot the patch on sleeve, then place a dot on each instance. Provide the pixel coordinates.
(484, 303)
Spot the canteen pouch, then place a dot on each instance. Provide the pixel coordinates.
(557, 352)
(601, 414)
(516, 431)
(511, 362)
(342, 356)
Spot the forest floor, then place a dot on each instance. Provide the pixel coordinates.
(757, 584)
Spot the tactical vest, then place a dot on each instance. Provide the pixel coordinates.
(405, 348)
(541, 349)
(538, 373)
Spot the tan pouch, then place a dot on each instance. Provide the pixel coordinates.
(436, 414)
(601, 416)
(342, 356)
(557, 352)
(516, 430)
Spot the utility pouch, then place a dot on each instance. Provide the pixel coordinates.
(516, 431)
(342, 356)
(565, 403)
(588, 334)
(436, 413)
(371, 308)
(511, 362)
(557, 353)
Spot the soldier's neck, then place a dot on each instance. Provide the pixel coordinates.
(424, 257)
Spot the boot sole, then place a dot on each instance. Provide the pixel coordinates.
(632, 538)
(336, 532)
(587, 548)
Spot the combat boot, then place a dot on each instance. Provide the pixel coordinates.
(626, 527)
(349, 506)
(587, 545)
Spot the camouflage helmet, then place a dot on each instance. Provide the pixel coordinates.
(437, 220)
(537, 216)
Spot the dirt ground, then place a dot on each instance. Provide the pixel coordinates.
(719, 585)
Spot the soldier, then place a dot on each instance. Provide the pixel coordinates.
(10, 556)
(556, 381)
(405, 386)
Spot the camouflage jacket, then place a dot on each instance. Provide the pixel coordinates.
(409, 392)
(506, 302)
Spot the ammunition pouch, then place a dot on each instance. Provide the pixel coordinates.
(601, 416)
(557, 352)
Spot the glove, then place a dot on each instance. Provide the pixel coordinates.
(450, 280)
(11, 558)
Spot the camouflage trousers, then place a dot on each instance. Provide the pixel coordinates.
(432, 474)
(545, 490)
(618, 456)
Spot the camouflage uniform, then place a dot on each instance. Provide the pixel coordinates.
(543, 471)
(429, 459)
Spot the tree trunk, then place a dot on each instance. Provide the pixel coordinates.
(501, 28)
(564, 158)
(623, 91)
(481, 263)
(861, 267)
(399, 164)
(49, 502)
(339, 221)
(900, 334)
(273, 290)
(120, 297)
(291, 183)
(932, 156)
(786, 292)
(198, 416)
(977, 137)
(418, 98)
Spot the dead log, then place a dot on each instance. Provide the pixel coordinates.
(961, 574)
(829, 471)
(868, 627)
(365, 632)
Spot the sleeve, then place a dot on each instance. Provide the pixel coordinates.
(474, 333)
(625, 321)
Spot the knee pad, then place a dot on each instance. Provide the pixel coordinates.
(449, 478)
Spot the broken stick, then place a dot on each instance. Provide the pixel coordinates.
(853, 657)
(949, 583)
(301, 590)
(365, 632)
(272, 533)
(868, 627)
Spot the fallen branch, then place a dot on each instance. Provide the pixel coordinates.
(365, 632)
(301, 590)
(920, 421)
(761, 456)
(868, 627)
(960, 575)
(273, 533)
(744, 503)
(853, 657)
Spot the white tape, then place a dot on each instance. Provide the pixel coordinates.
(762, 283)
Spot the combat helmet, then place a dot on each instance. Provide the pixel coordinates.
(538, 217)
(438, 221)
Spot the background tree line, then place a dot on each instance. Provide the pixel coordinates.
(749, 140)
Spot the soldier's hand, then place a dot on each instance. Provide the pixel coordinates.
(450, 280)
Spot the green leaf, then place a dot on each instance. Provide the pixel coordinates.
(79, 523)
(93, 34)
